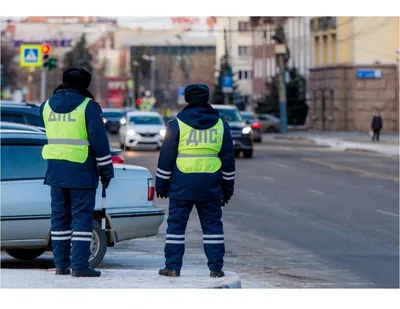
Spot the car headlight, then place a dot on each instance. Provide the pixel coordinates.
(122, 121)
(104, 120)
(131, 132)
(162, 132)
(246, 130)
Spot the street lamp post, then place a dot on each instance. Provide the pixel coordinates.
(152, 60)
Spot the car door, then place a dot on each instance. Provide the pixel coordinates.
(25, 200)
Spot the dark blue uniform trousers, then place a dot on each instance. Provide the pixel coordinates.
(210, 214)
(71, 221)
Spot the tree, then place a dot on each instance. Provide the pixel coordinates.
(9, 73)
(218, 95)
(79, 56)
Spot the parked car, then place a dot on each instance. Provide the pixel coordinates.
(21, 112)
(252, 120)
(142, 130)
(112, 119)
(269, 123)
(25, 203)
(241, 133)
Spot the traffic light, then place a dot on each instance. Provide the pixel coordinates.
(45, 51)
(52, 64)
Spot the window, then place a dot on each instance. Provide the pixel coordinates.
(145, 120)
(34, 120)
(245, 50)
(22, 162)
(12, 118)
(244, 26)
(229, 115)
(245, 75)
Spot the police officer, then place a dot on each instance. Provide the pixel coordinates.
(196, 166)
(77, 153)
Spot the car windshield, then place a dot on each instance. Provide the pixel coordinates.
(248, 116)
(145, 120)
(230, 115)
(113, 114)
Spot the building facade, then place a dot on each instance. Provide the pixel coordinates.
(237, 42)
(354, 72)
(298, 40)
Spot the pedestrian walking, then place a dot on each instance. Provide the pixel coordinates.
(196, 167)
(77, 153)
(376, 126)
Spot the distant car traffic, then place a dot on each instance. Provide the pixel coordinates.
(269, 123)
(240, 131)
(112, 119)
(26, 210)
(252, 120)
(21, 112)
(142, 130)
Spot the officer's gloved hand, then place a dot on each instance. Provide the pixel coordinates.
(162, 195)
(105, 182)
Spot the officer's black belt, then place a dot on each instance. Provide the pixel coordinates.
(68, 141)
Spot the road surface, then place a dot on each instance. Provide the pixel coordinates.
(302, 216)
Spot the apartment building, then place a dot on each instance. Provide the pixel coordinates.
(238, 42)
(354, 72)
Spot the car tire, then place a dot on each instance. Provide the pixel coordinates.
(272, 130)
(258, 140)
(25, 254)
(237, 153)
(248, 154)
(122, 146)
(98, 245)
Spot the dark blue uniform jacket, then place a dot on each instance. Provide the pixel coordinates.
(195, 186)
(65, 174)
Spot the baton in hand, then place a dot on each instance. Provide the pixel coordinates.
(103, 209)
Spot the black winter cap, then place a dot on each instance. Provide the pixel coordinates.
(79, 78)
(197, 94)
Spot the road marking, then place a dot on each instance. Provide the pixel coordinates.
(387, 213)
(352, 169)
(268, 178)
(317, 192)
(278, 164)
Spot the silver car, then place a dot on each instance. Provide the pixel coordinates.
(25, 202)
(269, 123)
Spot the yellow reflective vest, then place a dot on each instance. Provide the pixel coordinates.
(66, 134)
(198, 150)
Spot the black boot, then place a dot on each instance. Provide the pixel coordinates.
(169, 272)
(90, 272)
(216, 274)
(62, 272)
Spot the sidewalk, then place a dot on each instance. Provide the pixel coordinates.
(349, 141)
(117, 278)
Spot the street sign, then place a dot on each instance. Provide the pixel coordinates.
(181, 96)
(227, 84)
(30, 55)
(369, 73)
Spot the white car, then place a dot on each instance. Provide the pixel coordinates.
(25, 202)
(142, 130)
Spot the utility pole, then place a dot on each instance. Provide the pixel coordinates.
(280, 51)
(43, 85)
(153, 75)
(226, 94)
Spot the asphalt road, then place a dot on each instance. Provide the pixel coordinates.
(305, 216)
(302, 216)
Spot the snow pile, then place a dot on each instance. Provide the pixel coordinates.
(116, 278)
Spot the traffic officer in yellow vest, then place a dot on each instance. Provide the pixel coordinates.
(77, 153)
(196, 166)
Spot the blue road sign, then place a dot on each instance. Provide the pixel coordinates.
(181, 91)
(227, 84)
(30, 55)
(369, 73)
(181, 96)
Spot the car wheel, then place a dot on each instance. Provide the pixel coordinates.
(122, 146)
(25, 254)
(257, 140)
(98, 246)
(272, 130)
(248, 154)
(237, 153)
